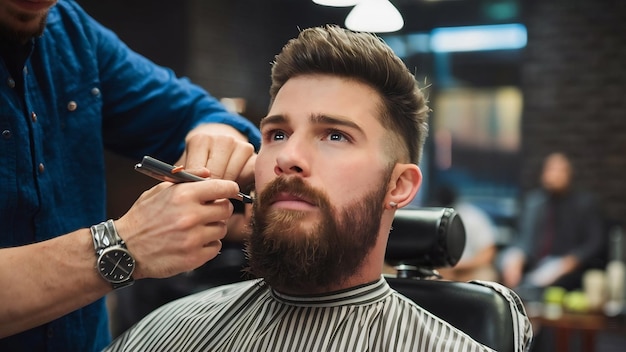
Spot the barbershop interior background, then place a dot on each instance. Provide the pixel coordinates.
(496, 110)
(555, 83)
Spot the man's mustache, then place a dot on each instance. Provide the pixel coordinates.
(293, 186)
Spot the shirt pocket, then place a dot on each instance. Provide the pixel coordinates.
(79, 114)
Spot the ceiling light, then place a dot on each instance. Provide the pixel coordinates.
(374, 16)
(337, 3)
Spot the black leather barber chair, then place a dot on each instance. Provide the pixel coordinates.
(425, 239)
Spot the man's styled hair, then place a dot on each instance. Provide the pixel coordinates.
(366, 58)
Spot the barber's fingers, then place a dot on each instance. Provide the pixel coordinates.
(239, 164)
(191, 193)
(225, 156)
(210, 250)
(196, 153)
(186, 194)
(202, 245)
(246, 173)
(221, 151)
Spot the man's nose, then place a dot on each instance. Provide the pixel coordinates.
(292, 159)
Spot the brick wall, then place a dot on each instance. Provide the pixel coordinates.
(574, 85)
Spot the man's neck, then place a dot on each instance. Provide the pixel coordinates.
(361, 277)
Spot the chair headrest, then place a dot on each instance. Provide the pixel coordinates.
(426, 238)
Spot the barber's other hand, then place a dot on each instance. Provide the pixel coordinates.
(221, 149)
(173, 228)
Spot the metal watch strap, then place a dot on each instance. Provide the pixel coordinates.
(104, 235)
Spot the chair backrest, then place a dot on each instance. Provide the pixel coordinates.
(425, 239)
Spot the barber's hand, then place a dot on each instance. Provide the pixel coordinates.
(221, 149)
(173, 228)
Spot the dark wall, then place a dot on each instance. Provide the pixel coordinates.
(574, 84)
(234, 42)
(155, 28)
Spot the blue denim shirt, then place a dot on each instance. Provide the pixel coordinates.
(84, 91)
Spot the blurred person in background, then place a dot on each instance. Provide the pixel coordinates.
(560, 233)
(477, 260)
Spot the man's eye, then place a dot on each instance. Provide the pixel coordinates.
(274, 135)
(277, 135)
(337, 136)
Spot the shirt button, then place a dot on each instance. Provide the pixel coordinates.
(11, 82)
(6, 134)
(50, 333)
(95, 91)
(33, 116)
(41, 168)
(25, 70)
(71, 106)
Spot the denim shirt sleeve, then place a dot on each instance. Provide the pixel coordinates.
(146, 108)
(84, 90)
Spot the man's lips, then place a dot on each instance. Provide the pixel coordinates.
(290, 201)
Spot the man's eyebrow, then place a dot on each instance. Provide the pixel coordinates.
(318, 119)
(275, 119)
(330, 120)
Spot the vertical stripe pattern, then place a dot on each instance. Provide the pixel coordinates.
(249, 316)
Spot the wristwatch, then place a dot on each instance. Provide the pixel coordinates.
(114, 262)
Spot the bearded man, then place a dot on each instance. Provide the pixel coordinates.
(339, 154)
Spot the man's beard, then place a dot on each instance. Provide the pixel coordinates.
(293, 258)
(11, 35)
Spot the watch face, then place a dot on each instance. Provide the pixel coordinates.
(115, 264)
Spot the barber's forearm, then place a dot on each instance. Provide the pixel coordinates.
(47, 280)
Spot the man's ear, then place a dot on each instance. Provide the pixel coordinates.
(404, 183)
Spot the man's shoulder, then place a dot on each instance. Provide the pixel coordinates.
(218, 298)
(429, 326)
(522, 329)
(412, 309)
(227, 291)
